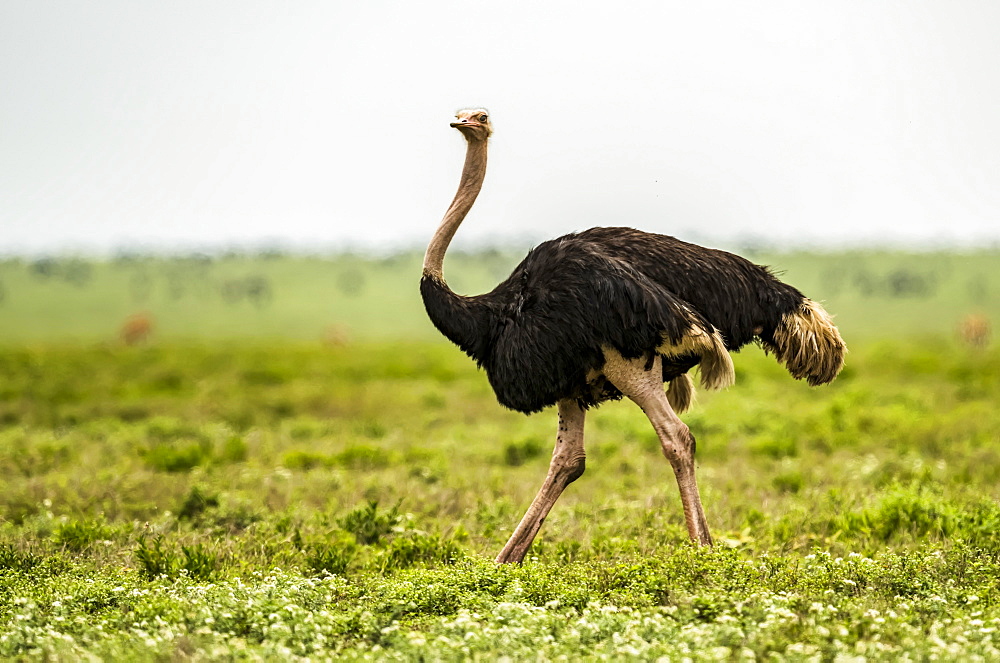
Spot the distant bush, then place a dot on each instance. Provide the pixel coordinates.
(368, 524)
(333, 557)
(170, 428)
(156, 561)
(518, 453)
(17, 560)
(920, 513)
(234, 450)
(78, 534)
(255, 288)
(308, 429)
(372, 428)
(419, 548)
(351, 282)
(199, 563)
(788, 482)
(898, 283)
(363, 457)
(266, 375)
(178, 456)
(775, 445)
(305, 460)
(195, 503)
(71, 270)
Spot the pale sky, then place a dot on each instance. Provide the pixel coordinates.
(325, 124)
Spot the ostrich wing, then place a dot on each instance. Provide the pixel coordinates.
(560, 307)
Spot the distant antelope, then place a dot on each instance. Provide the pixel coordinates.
(336, 336)
(975, 330)
(136, 329)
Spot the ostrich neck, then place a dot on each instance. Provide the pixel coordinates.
(472, 181)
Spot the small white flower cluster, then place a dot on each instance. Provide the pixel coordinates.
(284, 616)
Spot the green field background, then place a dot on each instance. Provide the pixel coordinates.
(294, 465)
(353, 297)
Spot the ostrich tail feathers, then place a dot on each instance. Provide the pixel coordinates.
(714, 363)
(716, 367)
(808, 343)
(680, 393)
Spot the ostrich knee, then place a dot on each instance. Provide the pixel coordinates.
(678, 446)
(569, 459)
(567, 467)
(678, 443)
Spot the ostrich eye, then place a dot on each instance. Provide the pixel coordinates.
(482, 118)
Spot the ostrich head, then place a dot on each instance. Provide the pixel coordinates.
(474, 123)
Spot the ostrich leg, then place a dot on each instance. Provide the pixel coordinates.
(566, 467)
(645, 388)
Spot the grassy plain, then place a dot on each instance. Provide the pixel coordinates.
(266, 498)
(875, 294)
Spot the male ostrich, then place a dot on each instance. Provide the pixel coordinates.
(612, 312)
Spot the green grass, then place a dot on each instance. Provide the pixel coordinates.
(281, 499)
(341, 298)
(354, 298)
(295, 465)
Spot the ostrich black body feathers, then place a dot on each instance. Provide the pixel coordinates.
(538, 335)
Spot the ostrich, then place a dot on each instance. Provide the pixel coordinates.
(612, 312)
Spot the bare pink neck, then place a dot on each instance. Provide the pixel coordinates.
(472, 181)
